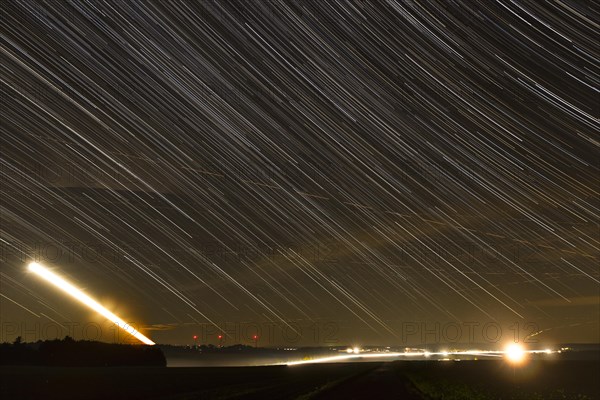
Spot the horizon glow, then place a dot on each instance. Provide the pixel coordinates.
(79, 295)
(489, 353)
(515, 353)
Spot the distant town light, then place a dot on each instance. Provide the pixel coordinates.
(515, 353)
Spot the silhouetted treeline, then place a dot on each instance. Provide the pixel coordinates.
(236, 348)
(72, 353)
(211, 348)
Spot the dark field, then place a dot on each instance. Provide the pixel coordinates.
(400, 380)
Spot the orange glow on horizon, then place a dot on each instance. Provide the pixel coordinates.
(515, 353)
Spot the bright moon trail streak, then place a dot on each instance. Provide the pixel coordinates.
(71, 290)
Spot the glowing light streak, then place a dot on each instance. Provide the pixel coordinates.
(76, 293)
(416, 354)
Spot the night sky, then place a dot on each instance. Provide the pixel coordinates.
(336, 171)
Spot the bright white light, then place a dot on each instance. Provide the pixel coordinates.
(515, 353)
(356, 350)
(72, 291)
(349, 350)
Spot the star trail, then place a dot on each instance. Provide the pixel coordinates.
(343, 168)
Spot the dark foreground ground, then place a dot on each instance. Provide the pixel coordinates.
(542, 379)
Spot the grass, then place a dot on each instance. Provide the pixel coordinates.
(478, 380)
